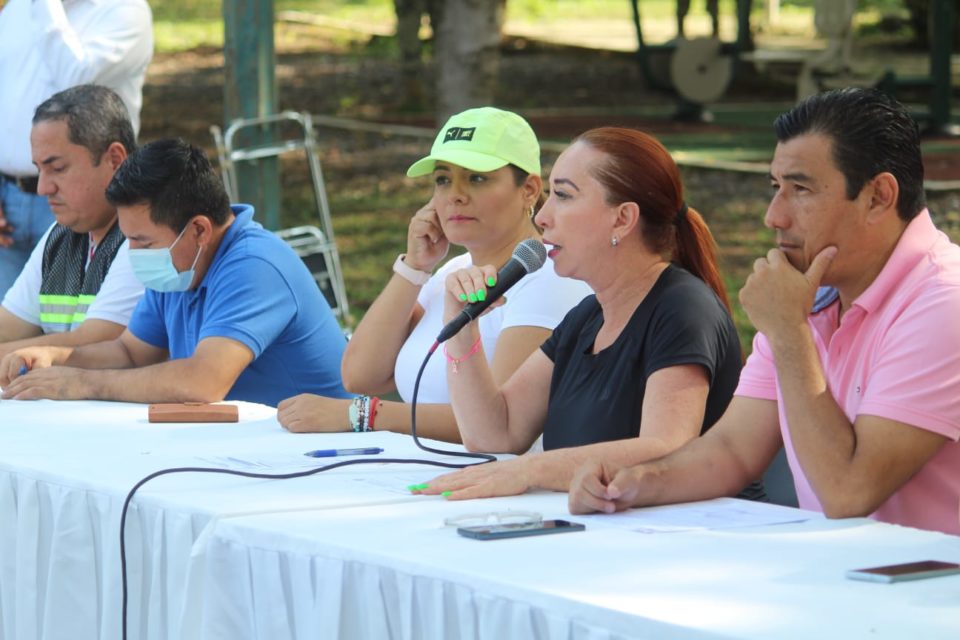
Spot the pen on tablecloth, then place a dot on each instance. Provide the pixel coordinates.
(330, 453)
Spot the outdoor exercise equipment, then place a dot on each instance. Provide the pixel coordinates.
(938, 82)
(700, 69)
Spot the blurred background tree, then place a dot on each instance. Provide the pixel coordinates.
(466, 39)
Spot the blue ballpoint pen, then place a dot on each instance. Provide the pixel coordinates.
(330, 453)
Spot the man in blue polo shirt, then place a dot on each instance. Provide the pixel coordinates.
(230, 311)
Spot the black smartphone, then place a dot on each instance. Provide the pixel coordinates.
(517, 530)
(905, 571)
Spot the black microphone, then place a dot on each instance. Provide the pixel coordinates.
(528, 256)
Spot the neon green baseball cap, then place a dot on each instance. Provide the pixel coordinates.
(483, 139)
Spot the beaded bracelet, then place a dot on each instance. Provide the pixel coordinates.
(357, 412)
(361, 412)
(457, 361)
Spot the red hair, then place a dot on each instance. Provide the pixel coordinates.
(639, 169)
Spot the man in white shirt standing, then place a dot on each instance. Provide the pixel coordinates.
(78, 286)
(47, 46)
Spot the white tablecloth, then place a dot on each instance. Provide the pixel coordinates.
(396, 572)
(351, 554)
(65, 469)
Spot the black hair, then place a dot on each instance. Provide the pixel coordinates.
(870, 133)
(96, 118)
(519, 177)
(175, 180)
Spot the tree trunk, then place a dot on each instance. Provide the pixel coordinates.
(467, 54)
(410, 14)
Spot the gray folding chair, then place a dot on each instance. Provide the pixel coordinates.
(778, 481)
(315, 245)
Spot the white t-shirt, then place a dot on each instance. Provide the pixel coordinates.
(540, 299)
(115, 301)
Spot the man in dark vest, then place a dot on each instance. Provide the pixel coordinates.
(77, 287)
(230, 311)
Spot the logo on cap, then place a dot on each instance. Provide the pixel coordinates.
(459, 133)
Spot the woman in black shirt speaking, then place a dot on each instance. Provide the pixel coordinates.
(633, 372)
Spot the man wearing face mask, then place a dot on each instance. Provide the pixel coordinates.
(77, 286)
(230, 311)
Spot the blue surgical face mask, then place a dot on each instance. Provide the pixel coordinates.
(155, 269)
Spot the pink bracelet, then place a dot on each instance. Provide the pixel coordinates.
(456, 361)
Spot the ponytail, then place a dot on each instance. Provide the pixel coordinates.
(696, 251)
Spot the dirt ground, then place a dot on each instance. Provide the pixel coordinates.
(563, 90)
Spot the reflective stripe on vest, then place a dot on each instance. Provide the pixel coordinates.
(62, 313)
(68, 284)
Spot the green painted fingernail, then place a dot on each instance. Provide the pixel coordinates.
(446, 494)
(481, 294)
(463, 297)
(491, 281)
(418, 487)
(472, 297)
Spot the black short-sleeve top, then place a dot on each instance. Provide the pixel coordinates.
(598, 397)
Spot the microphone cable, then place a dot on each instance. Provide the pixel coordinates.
(483, 458)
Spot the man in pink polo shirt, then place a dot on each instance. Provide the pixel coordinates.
(864, 390)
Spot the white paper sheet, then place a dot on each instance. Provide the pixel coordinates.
(266, 463)
(727, 513)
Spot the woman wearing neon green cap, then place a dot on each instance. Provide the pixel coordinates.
(633, 372)
(485, 164)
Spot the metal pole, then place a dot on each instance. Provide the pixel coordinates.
(250, 91)
(941, 46)
(643, 55)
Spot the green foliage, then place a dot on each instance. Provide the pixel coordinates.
(880, 5)
(179, 25)
(178, 10)
(530, 10)
(547, 9)
(183, 35)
